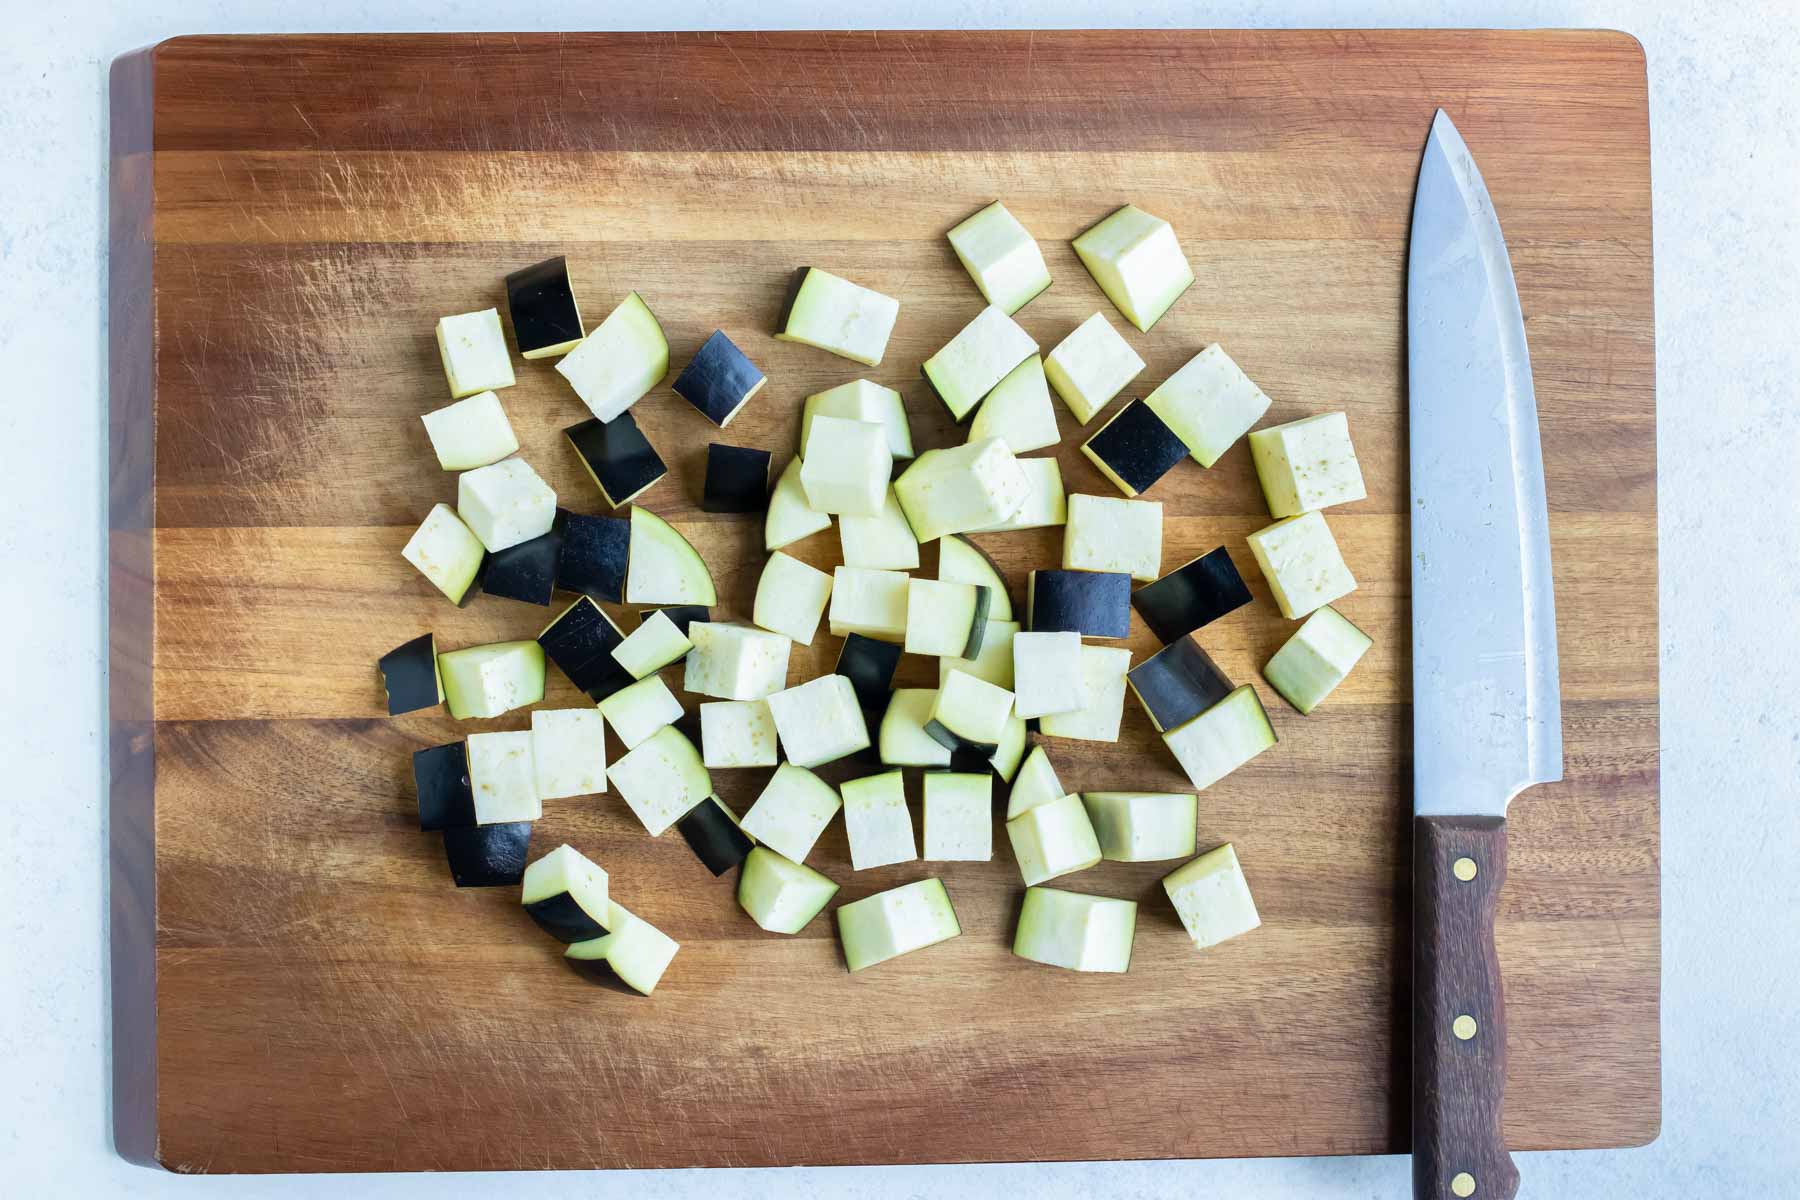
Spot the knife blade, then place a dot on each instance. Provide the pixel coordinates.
(1487, 710)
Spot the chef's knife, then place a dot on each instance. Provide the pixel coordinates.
(1487, 710)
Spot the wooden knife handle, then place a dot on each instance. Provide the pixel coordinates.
(1459, 1013)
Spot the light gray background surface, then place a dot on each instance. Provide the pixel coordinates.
(1725, 122)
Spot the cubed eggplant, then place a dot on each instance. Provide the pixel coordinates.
(737, 479)
(1192, 596)
(596, 551)
(720, 379)
(568, 895)
(488, 855)
(1094, 604)
(580, 642)
(446, 797)
(528, 570)
(410, 674)
(618, 457)
(714, 836)
(1178, 683)
(869, 665)
(1134, 449)
(683, 615)
(546, 320)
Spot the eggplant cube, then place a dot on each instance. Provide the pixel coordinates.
(735, 662)
(1210, 403)
(410, 674)
(837, 316)
(1212, 898)
(961, 488)
(596, 551)
(580, 641)
(1102, 698)
(737, 479)
(1009, 753)
(503, 775)
(486, 681)
(1192, 596)
(638, 711)
(1035, 784)
(872, 603)
(1134, 449)
(861, 400)
(884, 542)
(1137, 262)
(568, 752)
(566, 893)
(446, 552)
(1221, 739)
(665, 567)
(1095, 604)
(1091, 366)
(1046, 504)
(712, 832)
(616, 364)
(959, 816)
(719, 380)
(869, 665)
(1300, 559)
(441, 779)
(790, 598)
(1046, 673)
(546, 320)
(474, 351)
(902, 741)
(1108, 534)
(473, 432)
(972, 363)
(635, 953)
(993, 662)
(781, 896)
(969, 714)
(527, 571)
(505, 504)
(819, 721)
(789, 519)
(488, 855)
(1001, 257)
(895, 922)
(1075, 931)
(792, 811)
(653, 645)
(737, 733)
(1307, 464)
(1018, 410)
(1053, 839)
(661, 779)
(1143, 826)
(878, 822)
(962, 561)
(1178, 683)
(845, 467)
(1311, 664)
(618, 457)
(945, 618)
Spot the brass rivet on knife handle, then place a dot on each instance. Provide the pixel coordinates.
(1458, 1030)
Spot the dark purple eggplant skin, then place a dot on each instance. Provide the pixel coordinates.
(682, 614)
(488, 855)
(869, 665)
(957, 744)
(580, 643)
(1178, 683)
(793, 293)
(441, 779)
(1192, 596)
(718, 379)
(737, 479)
(714, 837)
(984, 601)
(1137, 447)
(618, 455)
(564, 919)
(409, 672)
(541, 302)
(596, 552)
(527, 571)
(1095, 604)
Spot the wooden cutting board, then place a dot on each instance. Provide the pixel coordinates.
(297, 984)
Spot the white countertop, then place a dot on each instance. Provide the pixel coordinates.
(1725, 123)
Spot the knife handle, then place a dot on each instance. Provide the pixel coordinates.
(1459, 1013)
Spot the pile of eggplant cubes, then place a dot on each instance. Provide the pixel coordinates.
(1001, 674)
